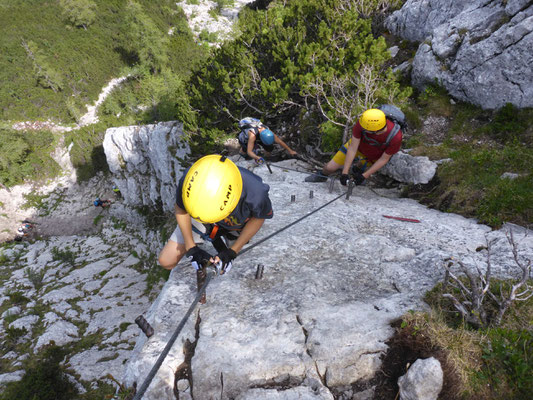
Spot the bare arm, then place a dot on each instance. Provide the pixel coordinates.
(380, 163)
(248, 232)
(250, 148)
(184, 222)
(279, 141)
(350, 154)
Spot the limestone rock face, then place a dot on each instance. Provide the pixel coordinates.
(320, 316)
(481, 51)
(145, 162)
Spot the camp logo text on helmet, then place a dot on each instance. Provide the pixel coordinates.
(373, 120)
(212, 188)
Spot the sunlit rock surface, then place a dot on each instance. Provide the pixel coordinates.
(320, 316)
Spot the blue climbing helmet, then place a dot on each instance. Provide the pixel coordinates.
(267, 136)
(97, 202)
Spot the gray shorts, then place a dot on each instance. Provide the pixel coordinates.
(178, 237)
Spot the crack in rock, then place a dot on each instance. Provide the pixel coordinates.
(184, 371)
(322, 377)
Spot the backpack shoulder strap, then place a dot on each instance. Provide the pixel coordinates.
(373, 142)
(394, 131)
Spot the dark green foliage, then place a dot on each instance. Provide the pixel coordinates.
(474, 178)
(162, 96)
(46, 75)
(509, 123)
(25, 155)
(144, 38)
(287, 58)
(17, 297)
(483, 145)
(12, 336)
(508, 363)
(44, 379)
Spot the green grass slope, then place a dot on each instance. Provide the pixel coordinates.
(51, 68)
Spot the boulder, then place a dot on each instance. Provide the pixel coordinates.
(408, 169)
(423, 380)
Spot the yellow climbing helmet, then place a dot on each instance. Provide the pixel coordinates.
(373, 120)
(212, 189)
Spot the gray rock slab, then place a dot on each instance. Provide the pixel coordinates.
(139, 158)
(331, 286)
(26, 322)
(11, 377)
(95, 364)
(406, 168)
(297, 393)
(63, 294)
(61, 332)
(87, 272)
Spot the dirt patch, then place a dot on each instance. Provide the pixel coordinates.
(405, 347)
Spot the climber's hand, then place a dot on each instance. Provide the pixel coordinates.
(358, 178)
(198, 256)
(223, 260)
(344, 179)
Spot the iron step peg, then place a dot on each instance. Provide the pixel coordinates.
(259, 272)
(331, 184)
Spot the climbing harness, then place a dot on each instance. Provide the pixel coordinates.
(208, 237)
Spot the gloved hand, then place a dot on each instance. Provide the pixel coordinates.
(198, 256)
(226, 257)
(260, 161)
(358, 178)
(344, 179)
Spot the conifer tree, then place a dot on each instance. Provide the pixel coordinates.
(80, 13)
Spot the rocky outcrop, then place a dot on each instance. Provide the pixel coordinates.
(481, 51)
(145, 161)
(319, 318)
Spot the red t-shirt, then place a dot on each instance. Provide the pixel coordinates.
(374, 152)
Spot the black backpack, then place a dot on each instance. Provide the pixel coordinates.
(395, 115)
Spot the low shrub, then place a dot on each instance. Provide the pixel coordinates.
(45, 379)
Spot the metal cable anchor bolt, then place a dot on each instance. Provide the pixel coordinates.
(144, 325)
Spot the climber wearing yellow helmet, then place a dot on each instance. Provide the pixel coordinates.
(375, 139)
(216, 199)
